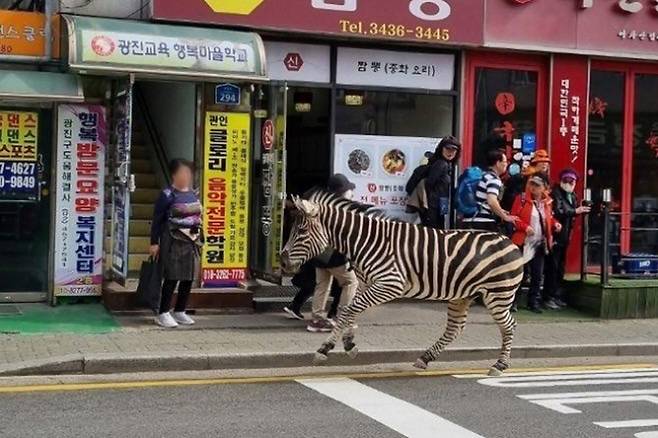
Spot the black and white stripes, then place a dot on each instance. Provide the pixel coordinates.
(401, 260)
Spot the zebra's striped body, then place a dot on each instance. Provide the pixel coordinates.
(401, 260)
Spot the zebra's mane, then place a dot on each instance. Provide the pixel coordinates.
(324, 197)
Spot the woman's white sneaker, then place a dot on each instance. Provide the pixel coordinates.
(182, 318)
(165, 320)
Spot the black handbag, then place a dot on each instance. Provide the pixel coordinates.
(150, 285)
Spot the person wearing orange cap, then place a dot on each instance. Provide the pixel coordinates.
(541, 162)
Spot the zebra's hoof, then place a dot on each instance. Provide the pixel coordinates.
(319, 358)
(353, 353)
(420, 364)
(495, 372)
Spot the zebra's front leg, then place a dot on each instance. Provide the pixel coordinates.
(499, 307)
(457, 314)
(375, 295)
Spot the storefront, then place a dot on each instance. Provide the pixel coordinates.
(579, 82)
(367, 93)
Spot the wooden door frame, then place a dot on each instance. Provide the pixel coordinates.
(503, 61)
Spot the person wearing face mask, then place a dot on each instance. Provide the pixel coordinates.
(565, 208)
(332, 264)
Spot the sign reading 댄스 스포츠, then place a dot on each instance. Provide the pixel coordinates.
(225, 198)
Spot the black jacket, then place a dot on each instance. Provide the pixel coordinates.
(438, 183)
(564, 211)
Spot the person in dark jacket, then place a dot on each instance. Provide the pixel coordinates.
(305, 281)
(176, 242)
(565, 210)
(439, 181)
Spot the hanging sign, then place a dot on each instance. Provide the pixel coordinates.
(386, 68)
(81, 141)
(226, 179)
(19, 170)
(227, 94)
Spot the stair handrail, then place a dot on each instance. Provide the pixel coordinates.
(154, 136)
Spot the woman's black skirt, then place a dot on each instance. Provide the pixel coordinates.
(179, 256)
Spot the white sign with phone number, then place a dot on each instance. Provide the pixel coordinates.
(379, 167)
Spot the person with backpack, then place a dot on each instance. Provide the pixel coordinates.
(479, 193)
(534, 227)
(438, 176)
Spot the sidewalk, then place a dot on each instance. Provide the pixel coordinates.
(395, 332)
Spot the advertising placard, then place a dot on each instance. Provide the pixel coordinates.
(19, 172)
(380, 166)
(22, 33)
(82, 137)
(431, 21)
(226, 179)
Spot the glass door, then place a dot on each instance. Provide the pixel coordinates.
(25, 197)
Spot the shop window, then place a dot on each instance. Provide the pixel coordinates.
(505, 104)
(645, 166)
(394, 113)
(23, 5)
(605, 149)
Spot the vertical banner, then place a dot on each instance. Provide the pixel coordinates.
(81, 141)
(19, 170)
(569, 109)
(121, 135)
(226, 180)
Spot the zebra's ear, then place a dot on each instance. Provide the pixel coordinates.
(309, 209)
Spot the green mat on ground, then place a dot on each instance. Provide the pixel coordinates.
(65, 318)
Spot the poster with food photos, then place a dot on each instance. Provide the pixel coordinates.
(379, 167)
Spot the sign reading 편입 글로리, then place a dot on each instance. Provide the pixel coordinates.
(81, 140)
(387, 68)
(226, 198)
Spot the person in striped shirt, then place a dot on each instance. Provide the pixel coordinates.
(488, 194)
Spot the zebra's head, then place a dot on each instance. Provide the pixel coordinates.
(308, 237)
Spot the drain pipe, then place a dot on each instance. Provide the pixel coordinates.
(49, 10)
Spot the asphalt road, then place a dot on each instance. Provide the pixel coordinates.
(614, 402)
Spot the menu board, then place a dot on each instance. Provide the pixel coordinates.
(380, 166)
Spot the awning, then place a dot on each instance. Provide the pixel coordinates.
(107, 46)
(40, 86)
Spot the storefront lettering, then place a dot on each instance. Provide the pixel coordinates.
(418, 8)
(630, 6)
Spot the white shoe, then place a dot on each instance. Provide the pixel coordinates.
(183, 319)
(165, 320)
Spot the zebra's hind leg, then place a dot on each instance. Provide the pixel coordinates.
(457, 314)
(499, 305)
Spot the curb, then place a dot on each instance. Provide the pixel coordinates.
(132, 363)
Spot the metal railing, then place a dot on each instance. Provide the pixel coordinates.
(154, 136)
(609, 245)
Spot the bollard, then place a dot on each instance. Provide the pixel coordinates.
(605, 238)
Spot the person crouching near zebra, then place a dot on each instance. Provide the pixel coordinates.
(331, 264)
(533, 232)
(176, 242)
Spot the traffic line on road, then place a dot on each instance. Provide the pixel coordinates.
(571, 379)
(628, 423)
(401, 416)
(580, 369)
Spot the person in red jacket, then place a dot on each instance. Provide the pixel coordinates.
(533, 231)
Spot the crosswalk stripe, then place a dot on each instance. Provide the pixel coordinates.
(629, 423)
(588, 394)
(562, 372)
(401, 416)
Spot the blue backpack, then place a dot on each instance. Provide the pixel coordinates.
(467, 204)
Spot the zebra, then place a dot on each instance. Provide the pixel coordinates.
(402, 260)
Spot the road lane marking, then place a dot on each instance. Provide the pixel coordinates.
(647, 434)
(560, 404)
(584, 369)
(628, 423)
(570, 379)
(140, 384)
(401, 416)
(548, 396)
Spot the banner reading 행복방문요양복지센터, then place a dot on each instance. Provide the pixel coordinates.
(81, 141)
(226, 198)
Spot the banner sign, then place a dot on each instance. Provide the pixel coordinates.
(569, 117)
(81, 141)
(21, 33)
(380, 166)
(226, 178)
(298, 62)
(386, 68)
(619, 28)
(121, 135)
(19, 171)
(432, 21)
